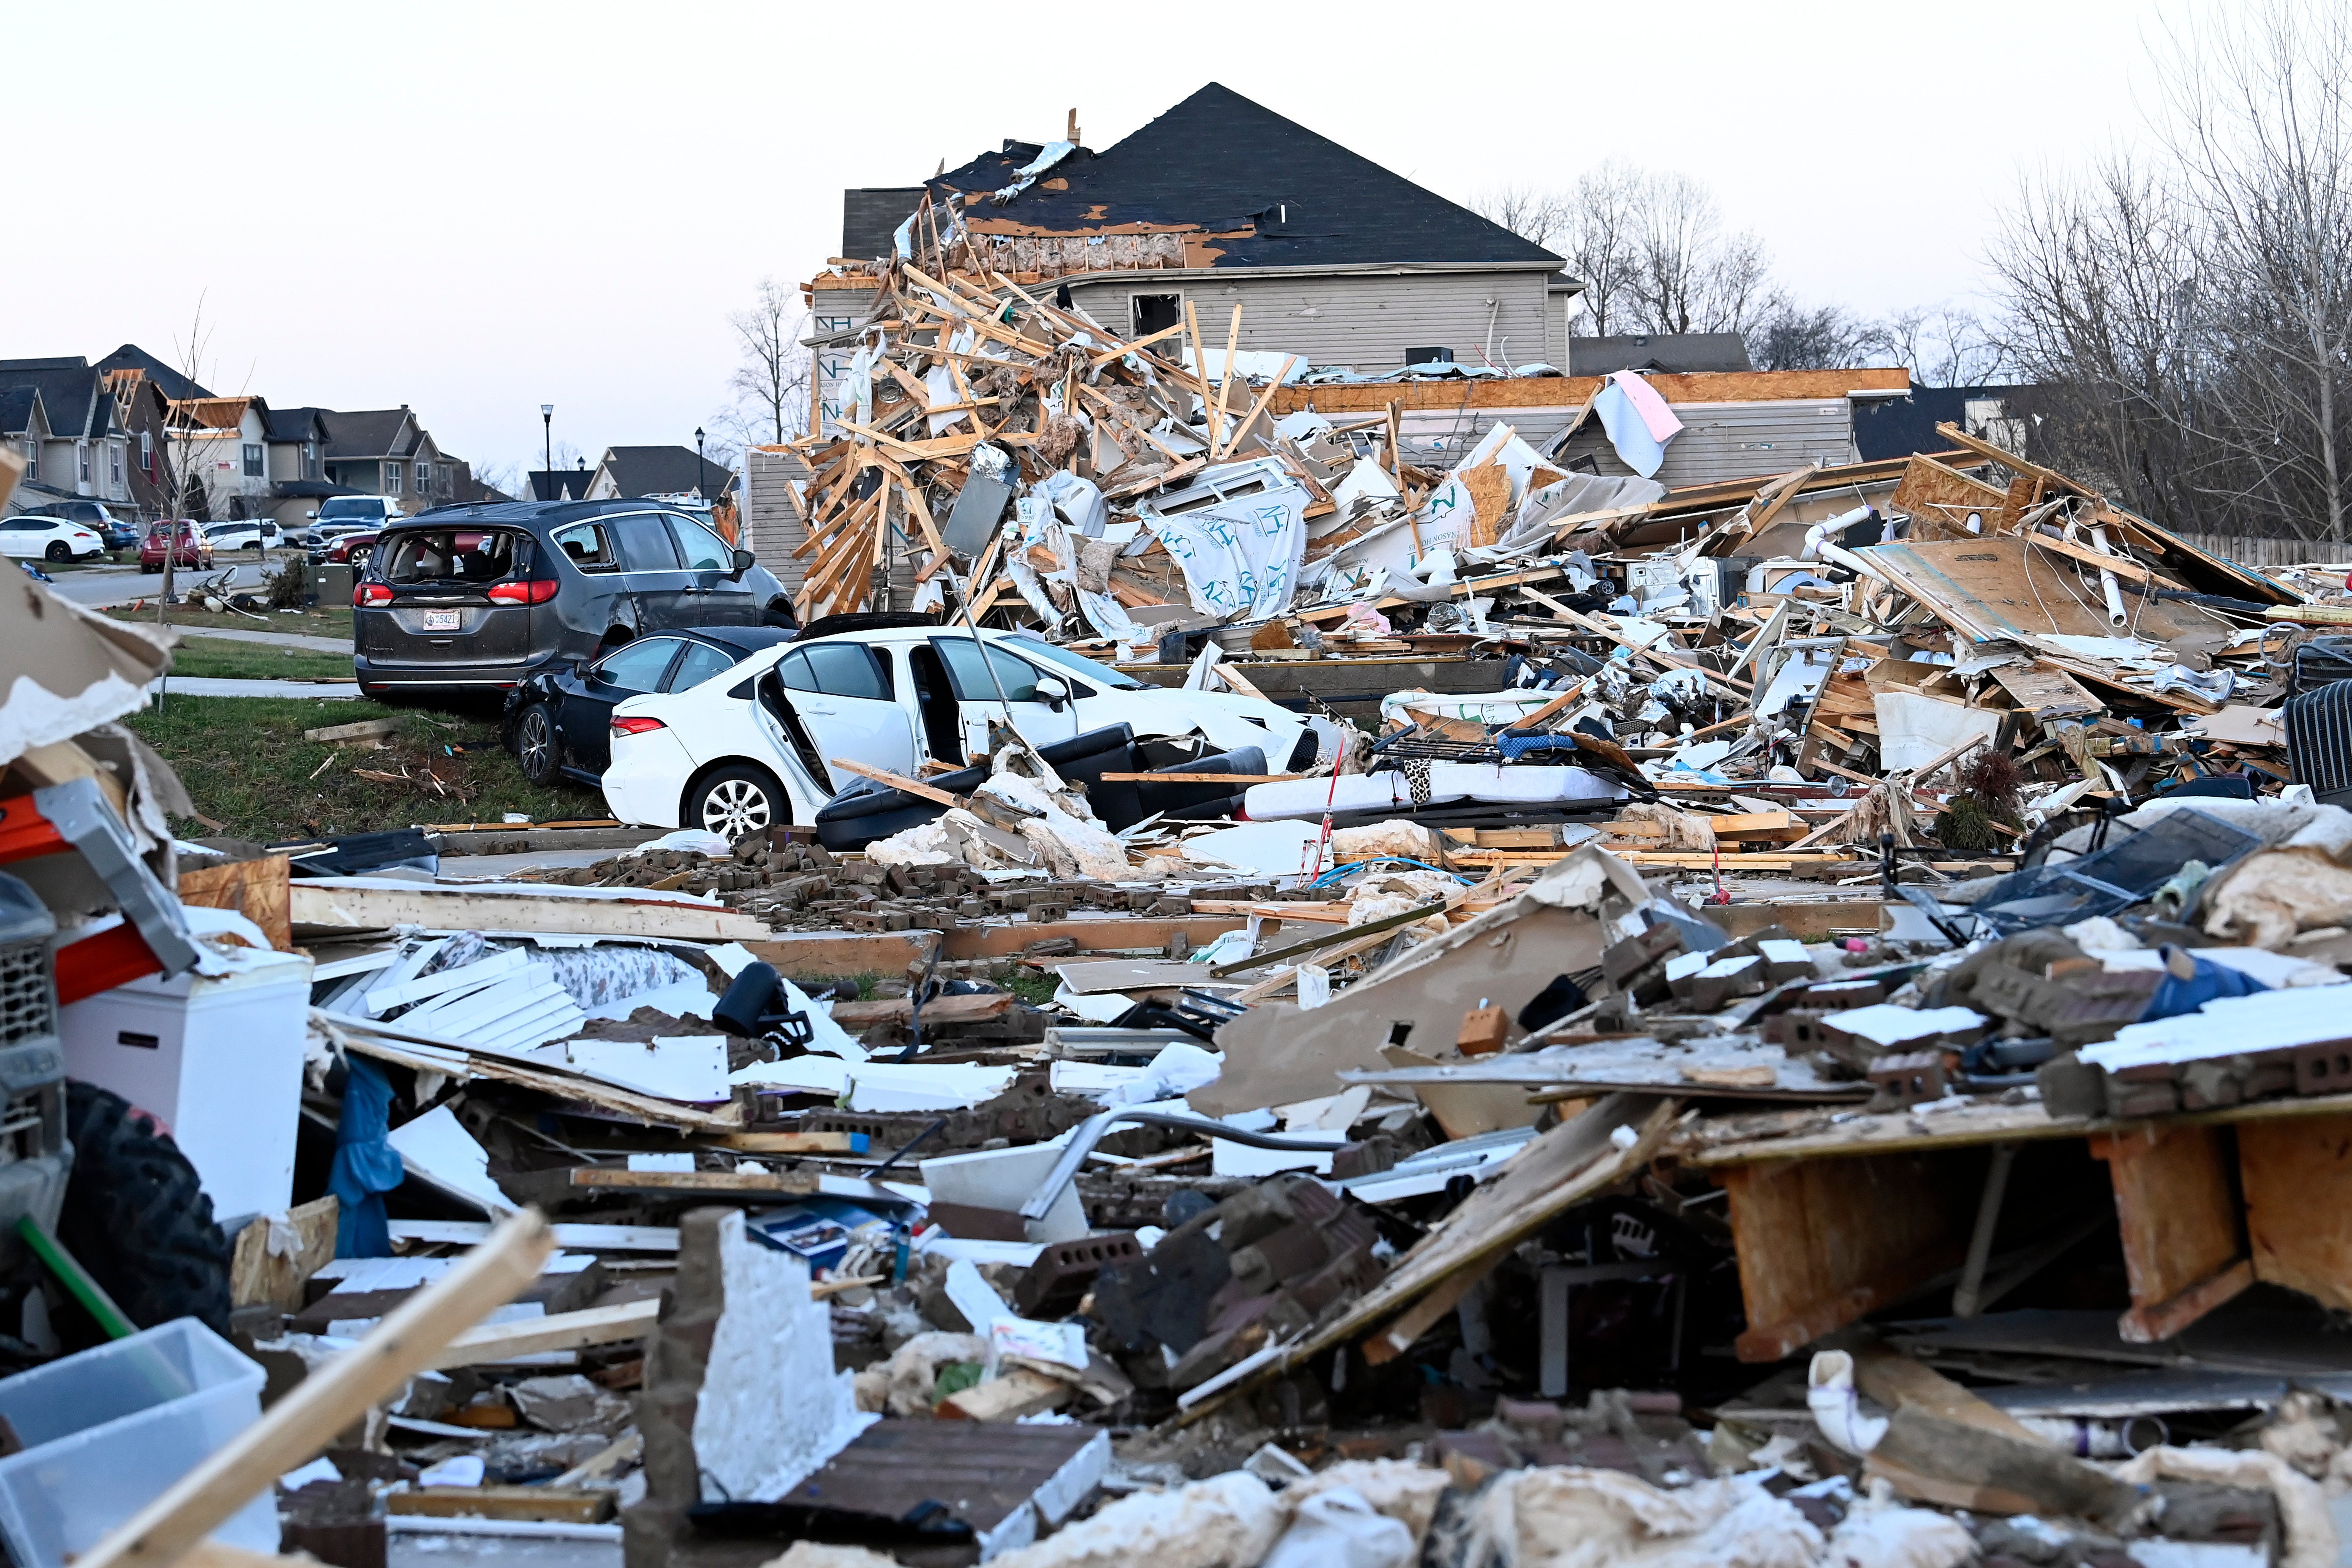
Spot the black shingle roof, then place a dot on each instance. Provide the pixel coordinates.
(296, 424)
(71, 395)
(549, 484)
(1221, 161)
(17, 408)
(369, 433)
(664, 471)
(175, 386)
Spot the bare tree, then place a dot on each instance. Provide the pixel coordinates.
(1690, 274)
(2194, 311)
(1536, 216)
(2263, 136)
(1826, 337)
(1941, 345)
(771, 382)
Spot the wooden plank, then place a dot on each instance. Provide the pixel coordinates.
(1424, 1315)
(1823, 1243)
(898, 781)
(795, 1142)
(258, 890)
(2122, 566)
(2183, 1251)
(856, 1016)
(365, 730)
(713, 1184)
(2296, 1177)
(557, 1331)
(293, 1431)
(334, 904)
(542, 1504)
(2045, 691)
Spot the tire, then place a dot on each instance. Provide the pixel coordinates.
(58, 552)
(136, 1216)
(535, 746)
(736, 799)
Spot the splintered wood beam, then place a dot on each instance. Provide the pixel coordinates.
(2184, 1249)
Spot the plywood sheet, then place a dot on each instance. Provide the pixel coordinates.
(1822, 1243)
(1990, 590)
(2297, 1174)
(2046, 692)
(257, 889)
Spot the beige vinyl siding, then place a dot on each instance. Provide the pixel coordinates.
(774, 525)
(773, 521)
(1736, 440)
(1365, 321)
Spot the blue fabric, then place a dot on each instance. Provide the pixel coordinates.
(366, 1166)
(1628, 431)
(2210, 982)
(1518, 746)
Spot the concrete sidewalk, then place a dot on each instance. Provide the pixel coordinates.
(274, 639)
(209, 686)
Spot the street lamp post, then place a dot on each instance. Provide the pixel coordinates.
(547, 434)
(698, 461)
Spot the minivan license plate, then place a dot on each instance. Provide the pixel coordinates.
(441, 620)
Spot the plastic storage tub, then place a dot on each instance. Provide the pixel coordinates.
(107, 1430)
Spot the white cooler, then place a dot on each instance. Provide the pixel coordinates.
(218, 1057)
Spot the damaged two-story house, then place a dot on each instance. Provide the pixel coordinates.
(1221, 202)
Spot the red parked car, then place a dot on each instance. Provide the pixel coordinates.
(194, 550)
(352, 548)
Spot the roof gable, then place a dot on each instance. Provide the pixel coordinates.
(1263, 190)
(662, 471)
(370, 433)
(71, 394)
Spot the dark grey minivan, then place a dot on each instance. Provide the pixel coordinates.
(485, 597)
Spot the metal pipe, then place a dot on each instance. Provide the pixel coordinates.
(1094, 1128)
(1968, 1296)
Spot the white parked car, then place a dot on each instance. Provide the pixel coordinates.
(755, 744)
(49, 539)
(245, 533)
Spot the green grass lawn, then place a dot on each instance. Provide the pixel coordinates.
(247, 767)
(332, 621)
(256, 661)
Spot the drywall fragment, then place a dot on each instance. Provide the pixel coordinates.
(436, 1146)
(772, 1408)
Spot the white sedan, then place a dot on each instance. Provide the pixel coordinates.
(756, 745)
(49, 539)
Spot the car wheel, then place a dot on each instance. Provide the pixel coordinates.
(534, 744)
(59, 550)
(735, 800)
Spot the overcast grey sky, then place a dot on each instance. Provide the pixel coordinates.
(476, 208)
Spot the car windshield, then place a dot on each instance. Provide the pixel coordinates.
(450, 555)
(353, 509)
(1087, 669)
